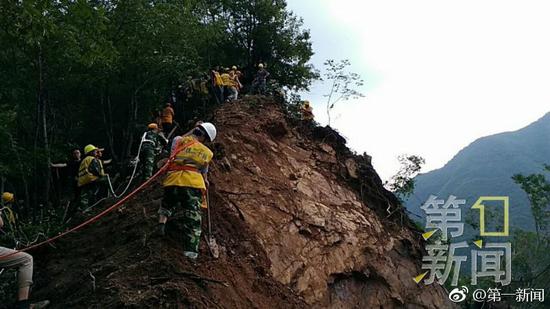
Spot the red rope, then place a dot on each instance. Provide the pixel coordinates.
(108, 210)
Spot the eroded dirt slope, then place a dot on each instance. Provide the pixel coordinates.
(295, 189)
(120, 263)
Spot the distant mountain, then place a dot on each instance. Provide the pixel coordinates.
(485, 168)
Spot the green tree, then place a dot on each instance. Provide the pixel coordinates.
(530, 260)
(261, 31)
(402, 183)
(537, 189)
(74, 72)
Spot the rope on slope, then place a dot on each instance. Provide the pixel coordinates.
(135, 161)
(106, 211)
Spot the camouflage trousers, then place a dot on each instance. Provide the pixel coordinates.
(190, 200)
(90, 193)
(148, 162)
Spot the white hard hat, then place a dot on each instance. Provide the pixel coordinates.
(261, 65)
(210, 130)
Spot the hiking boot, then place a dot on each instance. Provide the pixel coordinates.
(40, 304)
(23, 304)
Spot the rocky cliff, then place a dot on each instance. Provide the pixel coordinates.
(301, 221)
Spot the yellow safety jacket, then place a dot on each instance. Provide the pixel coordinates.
(218, 81)
(84, 175)
(234, 79)
(307, 112)
(189, 164)
(10, 215)
(227, 81)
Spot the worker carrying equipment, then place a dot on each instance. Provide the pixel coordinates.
(151, 146)
(90, 175)
(185, 183)
(307, 111)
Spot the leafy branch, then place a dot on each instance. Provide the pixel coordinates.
(344, 84)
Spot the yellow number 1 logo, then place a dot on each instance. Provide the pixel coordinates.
(479, 205)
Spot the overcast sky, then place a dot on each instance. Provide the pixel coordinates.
(439, 74)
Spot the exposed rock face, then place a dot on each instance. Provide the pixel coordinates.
(321, 239)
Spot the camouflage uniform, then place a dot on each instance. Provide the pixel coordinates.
(190, 200)
(148, 155)
(183, 187)
(149, 150)
(87, 194)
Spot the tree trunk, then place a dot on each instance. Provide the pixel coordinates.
(42, 102)
(132, 117)
(328, 101)
(108, 121)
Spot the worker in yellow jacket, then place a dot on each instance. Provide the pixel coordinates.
(167, 119)
(21, 261)
(217, 84)
(185, 183)
(227, 84)
(90, 175)
(234, 84)
(307, 112)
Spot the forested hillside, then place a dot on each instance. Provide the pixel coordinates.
(79, 72)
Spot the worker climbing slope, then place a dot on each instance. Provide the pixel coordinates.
(259, 85)
(90, 175)
(227, 85)
(167, 119)
(307, 112)
(72, 166)
(20, 260)
(152, 142)
(217, 84)
(185, 184)
(234, 84)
